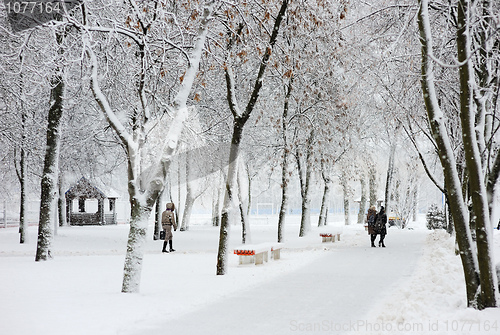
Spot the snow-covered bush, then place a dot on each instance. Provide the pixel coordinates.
(435, 218)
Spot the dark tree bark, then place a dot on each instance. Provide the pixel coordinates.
(284, 164)
(389, 179)
(323, 212)
(445, 152)
(372, 184)
(216, 204)
(487, 274)
(50, 168)
(305, 183)
(346, 195)
(190, 197)
(245, 224)
(61, 202)
(21, 176)
(240, 118)
(158, 212)
(362, 202)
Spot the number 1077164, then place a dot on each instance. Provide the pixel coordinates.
(25, 14)
(33, 7)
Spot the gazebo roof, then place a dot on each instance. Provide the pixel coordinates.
(84, 189)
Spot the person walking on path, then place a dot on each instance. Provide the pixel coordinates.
(370, 219)
(167, 222)
(380, 226)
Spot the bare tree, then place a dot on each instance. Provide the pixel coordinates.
(49, 183)
(240, 119)
(144, 27)
(481, 281)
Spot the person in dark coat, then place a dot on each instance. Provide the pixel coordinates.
(380, 226)
(167, 223)
(370, 219)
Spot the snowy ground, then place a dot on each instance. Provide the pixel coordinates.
(414, 286)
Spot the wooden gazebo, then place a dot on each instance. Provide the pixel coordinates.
(83, 191)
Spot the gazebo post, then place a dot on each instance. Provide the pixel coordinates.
(69, 203)
(112, 206)
(100, 210)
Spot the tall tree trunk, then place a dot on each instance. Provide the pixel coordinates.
(284, 164)
(216, 202)
(249, 193)
(61, 202)
(389, 180)
(436, 119)
(240, 118)
(323, 213)
(284, 198)
(483, 92)
(346, 192)
(188, 209)
(158, 213)
(493, 178)
(305, 218)
(228, 196)
(50, 171)
(190, 198)
(372, 184)
(21, 175)
(362, 201)
(305, 183)
(23, 226)
(245, 225)
(139, 218)
(22, 169)
(48, 197)
(484, 233)
(179, 197)
(415, 203)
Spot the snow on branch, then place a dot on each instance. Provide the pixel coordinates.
(101, 98)
(122, 31)
(188, 79)
(180, 110)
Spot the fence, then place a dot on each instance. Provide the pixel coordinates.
(9, 212)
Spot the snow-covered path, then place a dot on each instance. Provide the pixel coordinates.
(329, 295)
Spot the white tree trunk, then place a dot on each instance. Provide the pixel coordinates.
(484, 234)
(452, 182)
(362, 202)
(346, 192)
(145, 185)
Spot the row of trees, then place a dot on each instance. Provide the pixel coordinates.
(476, 59)
(175, 54)
(311, 89)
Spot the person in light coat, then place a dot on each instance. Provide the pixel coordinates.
(167, 223)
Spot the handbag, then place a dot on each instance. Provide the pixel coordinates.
(162, 235)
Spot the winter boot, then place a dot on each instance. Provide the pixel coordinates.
(171, 248)
(373, 237)
(381, 242)
(164, 247)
